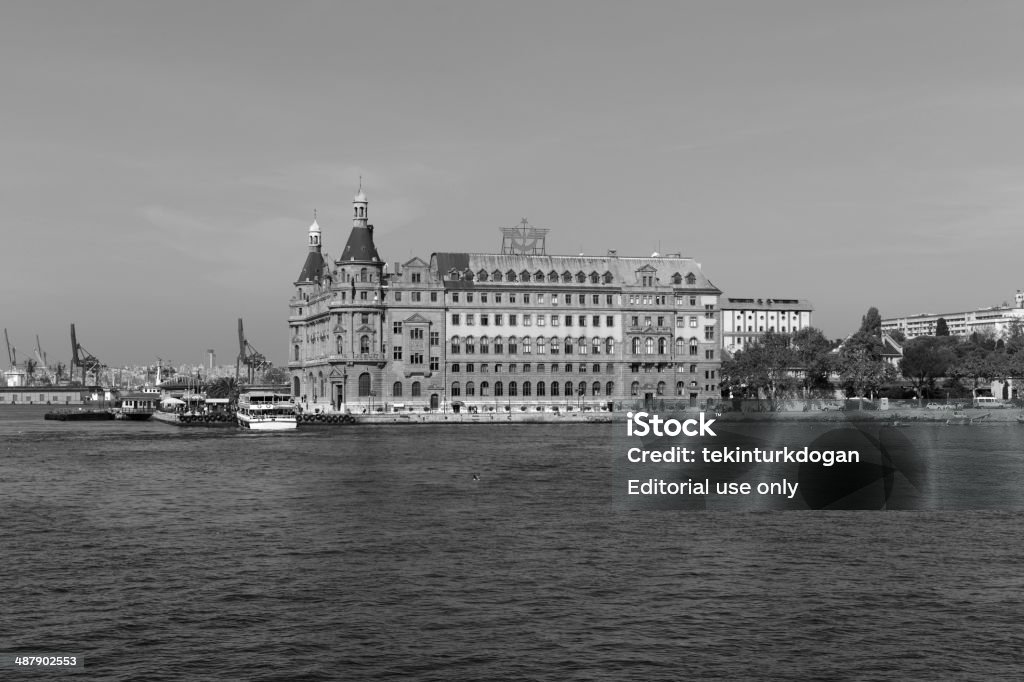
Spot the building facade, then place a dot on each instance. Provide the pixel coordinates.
(499, 332)
(745, 320)
(994, 320)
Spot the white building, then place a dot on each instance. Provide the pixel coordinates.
(994, 320)
(745, 320)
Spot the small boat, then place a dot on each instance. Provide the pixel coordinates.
(79, 415)
(962, 419)
(137, 406)
(266, 411)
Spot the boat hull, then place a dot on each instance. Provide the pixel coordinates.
(276, 424)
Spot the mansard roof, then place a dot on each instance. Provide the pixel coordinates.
(360, 246)
(313, 268)
(623, 270)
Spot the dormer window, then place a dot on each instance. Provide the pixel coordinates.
(691, 279)
(482, 275)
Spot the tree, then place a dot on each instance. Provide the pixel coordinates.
(860, 365)
(812, 353)
(762, 368)
(224, 387)
(941, 328)
(897, 335)
(925, 359)
(871, 323)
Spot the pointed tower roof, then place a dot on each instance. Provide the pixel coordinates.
(313, 268)
(360, 246)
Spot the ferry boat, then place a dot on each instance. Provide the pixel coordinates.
(266, 411)
(137, 406)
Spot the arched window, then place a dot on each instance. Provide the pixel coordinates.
(661, 388)
(510, 276)
(456, 389)
(609, 346)
(636, 345)
(297, 348)
(456, 346)
(470, 345)
(691, 279)
(595, 388)
(554, 389)
(568, 346)
(485, 345)
(693, 346)
(649, 346)
(567, 276)
(415, 389)
(580, 277)
(542, 345)
(396, 390)
(364, 385)
(526, 344)
(526, 388)
(499, 389)
(680, 346)
(485, 389)
(581, 389)
(540, 388)
(609, 388)
(323, 384)
(554, 368)
(634, 388)
(364, 344)
(340, 346)
(470, 389)
(596, 369)
(595, 346)
(513, 389)
(555, 345)
(496, 275)
(679, 387)
(662, 346)
(581, 346)
(296, 387)
(513, 347)
(498, 346)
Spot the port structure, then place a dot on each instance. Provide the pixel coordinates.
(253, 360)
(83, 359)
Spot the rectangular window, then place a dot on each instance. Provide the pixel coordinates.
(433, 297)
(609, 321)
(455, 319)
(398, 295)
(661, 321)
(511, 298)
(469, 297)
(693, 300)
(416, 296)
(363, 296)
(396, 353)
(634, 321)
(416, 358)
(693, 320)
(596, 299)
(527, 320)
(709, 333)
(608, 299)
(554, 320)
(541, 320)
(435, 338)
(582, 298)
(540, 298)
(397, 328)
(512, 320)
(470, 318)
(455, 297)
(435, 363)
(497, 298)
(582, 321)
(526, 298)
(709, 354)
(568, 299)
(483, 298)
(415, 278)
(485, 319)
(596, 321)
(416, 333)
(365, 317)
(568, 320)
(498, 319)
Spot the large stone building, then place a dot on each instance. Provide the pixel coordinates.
(994, 320)
(495, 332)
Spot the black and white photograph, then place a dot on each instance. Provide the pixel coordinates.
(468, 340)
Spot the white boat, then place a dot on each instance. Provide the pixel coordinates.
(137, 406)
(266, 411)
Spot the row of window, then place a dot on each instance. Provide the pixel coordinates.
(500, 297)
(681, 387)
(525, 345)
(513, 368)
(527, 388)
(650, 346)
(528, 320)
(527, 276)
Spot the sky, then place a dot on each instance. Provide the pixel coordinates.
(162, 160)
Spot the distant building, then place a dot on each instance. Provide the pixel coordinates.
(994, 320)
(503, 331)
(745, 320)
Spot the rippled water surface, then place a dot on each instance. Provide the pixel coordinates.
(371, 553)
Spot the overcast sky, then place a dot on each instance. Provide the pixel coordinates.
(162, 161)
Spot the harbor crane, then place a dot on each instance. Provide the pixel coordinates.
(48, 374)
(83, 359)
(10, 354)
(248, 356)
